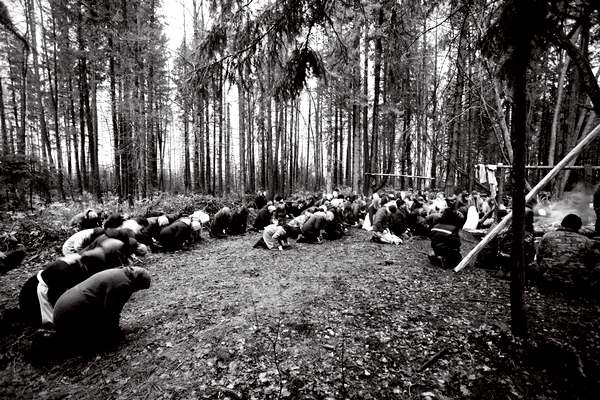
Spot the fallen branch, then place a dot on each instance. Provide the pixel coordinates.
(469, 258)
(433, 359)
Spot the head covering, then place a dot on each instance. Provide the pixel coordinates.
(141, 250)
(91, 214)
(200, 216)
(163, 220)
(133, 225)
(140, 277)
(572, 222)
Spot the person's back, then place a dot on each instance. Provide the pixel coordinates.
(89, 312)
(272, 234)
(381, 220)
(174, 236)
(260, 201)
(445, 240)
(239, 222)
(334, 229)
(221, 223)
(314, 224)
(80, 240)
(311, 229)
(398, 222)
(263, 218)
(566, 257)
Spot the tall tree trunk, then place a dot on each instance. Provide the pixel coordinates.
(22, 136)
(455, 126)
(348, 167)
(200, 105)
(308, 138)
(228, 149)
(90, 110)
(5, 148)
(41, 116)
(242, 135)
(81, 86)
(75, 141)
(329, 175)
(521, 42)
(365, 112)
(54, 97)
(186, 144)
(220, 114)
(376, 92)
(209, 173)
(564, 67)
(250, 145)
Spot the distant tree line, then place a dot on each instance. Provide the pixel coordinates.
(412, 88)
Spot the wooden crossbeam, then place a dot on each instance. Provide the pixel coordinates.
(400, 175)
(551, 166)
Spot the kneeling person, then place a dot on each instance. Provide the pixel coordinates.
(87, 315)
(275, 236)
(445, 241)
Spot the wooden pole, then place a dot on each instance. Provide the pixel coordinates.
(469, 258)
(400, 175)
(500, 184)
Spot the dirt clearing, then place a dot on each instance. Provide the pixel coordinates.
(344, 319)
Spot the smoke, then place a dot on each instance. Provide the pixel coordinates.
(578, 201)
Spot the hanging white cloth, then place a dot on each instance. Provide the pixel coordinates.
(491, 178)
(472, 219)
(480, 173)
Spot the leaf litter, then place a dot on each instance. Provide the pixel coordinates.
(343, 319)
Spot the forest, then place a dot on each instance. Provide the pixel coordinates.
(286, 95)
(156, 156)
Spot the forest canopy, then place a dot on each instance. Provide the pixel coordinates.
(285, 95)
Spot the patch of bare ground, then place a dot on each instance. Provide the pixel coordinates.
(344, 319)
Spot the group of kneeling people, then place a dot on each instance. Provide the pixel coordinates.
(79, 296)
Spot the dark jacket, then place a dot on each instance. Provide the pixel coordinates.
(221, 223)
(239, 222)
(398, 222)
(263, 218)
(312, 227)
(260, 201)
(59, 276)
(445, 243)
(93, 307)
(381, 220)
(173, 236)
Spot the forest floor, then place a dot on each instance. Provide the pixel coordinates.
(343, 319)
